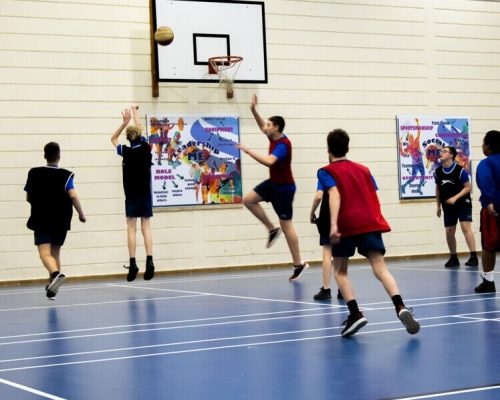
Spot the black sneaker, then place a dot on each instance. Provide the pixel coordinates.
(150, 271)
(132, 272)
(54, 285)
(297, 271)
(339, 295)
(485, 287)
(353, 323)
(273, 235)
(323, 294)
(411, 324)
(472, 262)
(452, 263)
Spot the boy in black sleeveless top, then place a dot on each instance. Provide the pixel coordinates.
(52, 195)
(136, 168)
(453, 196)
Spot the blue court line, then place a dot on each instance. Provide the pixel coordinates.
(31, 390)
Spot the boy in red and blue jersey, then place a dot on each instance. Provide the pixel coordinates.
(279, 189)
(350, 204)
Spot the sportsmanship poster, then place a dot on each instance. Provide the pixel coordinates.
(420, 140)
(195, 159)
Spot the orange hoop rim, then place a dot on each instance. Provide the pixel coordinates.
(219, 63)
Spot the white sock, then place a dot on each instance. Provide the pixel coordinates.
(488, 276)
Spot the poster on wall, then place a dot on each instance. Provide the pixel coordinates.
(195, 160)
(420, 139)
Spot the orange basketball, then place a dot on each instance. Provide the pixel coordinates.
(164, 36)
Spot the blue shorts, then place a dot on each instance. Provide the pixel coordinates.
(54, 238)
(364, 243)
(140, 206)
(280, 196)
(451, 215)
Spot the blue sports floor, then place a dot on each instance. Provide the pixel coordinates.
(250, 335)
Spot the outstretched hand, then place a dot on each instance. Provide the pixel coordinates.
(127, 116)
(253, 101)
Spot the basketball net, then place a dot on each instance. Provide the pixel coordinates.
(226, 67)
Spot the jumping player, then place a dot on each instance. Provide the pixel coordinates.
(279, 189)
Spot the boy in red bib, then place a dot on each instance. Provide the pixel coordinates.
(352, 207)
(279, 189)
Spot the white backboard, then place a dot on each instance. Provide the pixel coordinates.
(204, 29)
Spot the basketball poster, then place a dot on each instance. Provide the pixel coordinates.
(420, 139)
(195, 159)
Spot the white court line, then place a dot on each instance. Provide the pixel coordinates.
(167, 328)
(226, 317)
(31, 390)
(239, 321)
(309, 303)
(182, 321)
(98, 303)
(450, 393)
(203, 349)
(227, 338)
(157, 281)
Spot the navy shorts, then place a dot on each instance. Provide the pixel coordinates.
(140, 206)
(364, 243)
(452, 215)
(280, 196)
(54, 238)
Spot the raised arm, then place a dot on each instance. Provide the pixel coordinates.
(126, 117)
(135, 114)
(261, 122)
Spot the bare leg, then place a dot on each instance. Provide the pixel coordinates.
(488, 259)
(146, 233)
(469, 235)
(340, 265)
(292, 239)
(382, 273)
(327, 266)
(47, 258)
(56, 253)
(131, 236)
(251, 201)
(450, 238)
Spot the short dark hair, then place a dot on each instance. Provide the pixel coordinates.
(279, 122)
(492, 139)
(51, 152)
(453, 150)
(338, 142)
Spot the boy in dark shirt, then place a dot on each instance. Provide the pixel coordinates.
(52, 195)
(136, 168)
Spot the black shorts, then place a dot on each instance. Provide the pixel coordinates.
(365, 243)
(280, 196)
(55, 238)
(139, 206)
(451, 215)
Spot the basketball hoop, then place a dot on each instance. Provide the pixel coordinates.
(226, 68)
